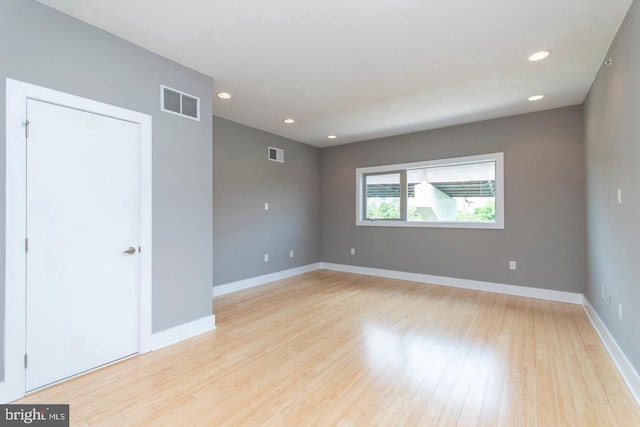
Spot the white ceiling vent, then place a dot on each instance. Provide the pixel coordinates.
(276, 154)
(182, 104)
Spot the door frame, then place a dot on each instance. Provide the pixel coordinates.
(17, 94)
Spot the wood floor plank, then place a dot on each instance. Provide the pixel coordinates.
(338, 349)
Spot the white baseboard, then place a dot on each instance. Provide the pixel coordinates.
(261, 280)
(629, 374)
(522, 291)
(182, 332)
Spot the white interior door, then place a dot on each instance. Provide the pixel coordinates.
(82, 215)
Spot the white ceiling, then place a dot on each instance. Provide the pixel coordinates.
(363, 69)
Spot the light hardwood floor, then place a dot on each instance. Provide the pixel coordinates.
(338, 349)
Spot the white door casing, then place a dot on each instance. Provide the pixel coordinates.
(17, 94)
(82, 214)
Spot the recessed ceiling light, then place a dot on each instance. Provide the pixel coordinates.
(332, 137)
(289, 121)
(224, 95)
(536, 97)
(539, 56)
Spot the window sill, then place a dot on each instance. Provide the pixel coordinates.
(428, 224)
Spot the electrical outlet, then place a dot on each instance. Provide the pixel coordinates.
(512, 265)
(291, 253)
(353, 251)
(601, 291)
(619, 196)
(620, 311)
(266, 258)
(266, 206)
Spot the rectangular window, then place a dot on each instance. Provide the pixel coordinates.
(463, 192)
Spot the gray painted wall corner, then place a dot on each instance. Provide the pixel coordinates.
(612, 132)
(243, 181)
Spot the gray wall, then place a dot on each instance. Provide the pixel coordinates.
(612, 114)
(243, 180)
(544, 204)
(44, 47)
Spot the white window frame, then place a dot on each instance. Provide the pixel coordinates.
(498, 158)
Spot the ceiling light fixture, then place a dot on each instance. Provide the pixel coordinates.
(539, 56)
(224, 95)
(536, 97)
(289, 121)
(332, 137)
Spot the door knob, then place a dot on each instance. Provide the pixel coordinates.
(130, 251)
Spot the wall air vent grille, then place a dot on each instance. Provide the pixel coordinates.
(276, 154)
(179, 103)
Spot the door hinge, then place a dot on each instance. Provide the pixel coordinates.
(26, 246)
(25, 361)
(26, 128)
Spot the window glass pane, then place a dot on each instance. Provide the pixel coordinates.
(382, 194)
(452, 193)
